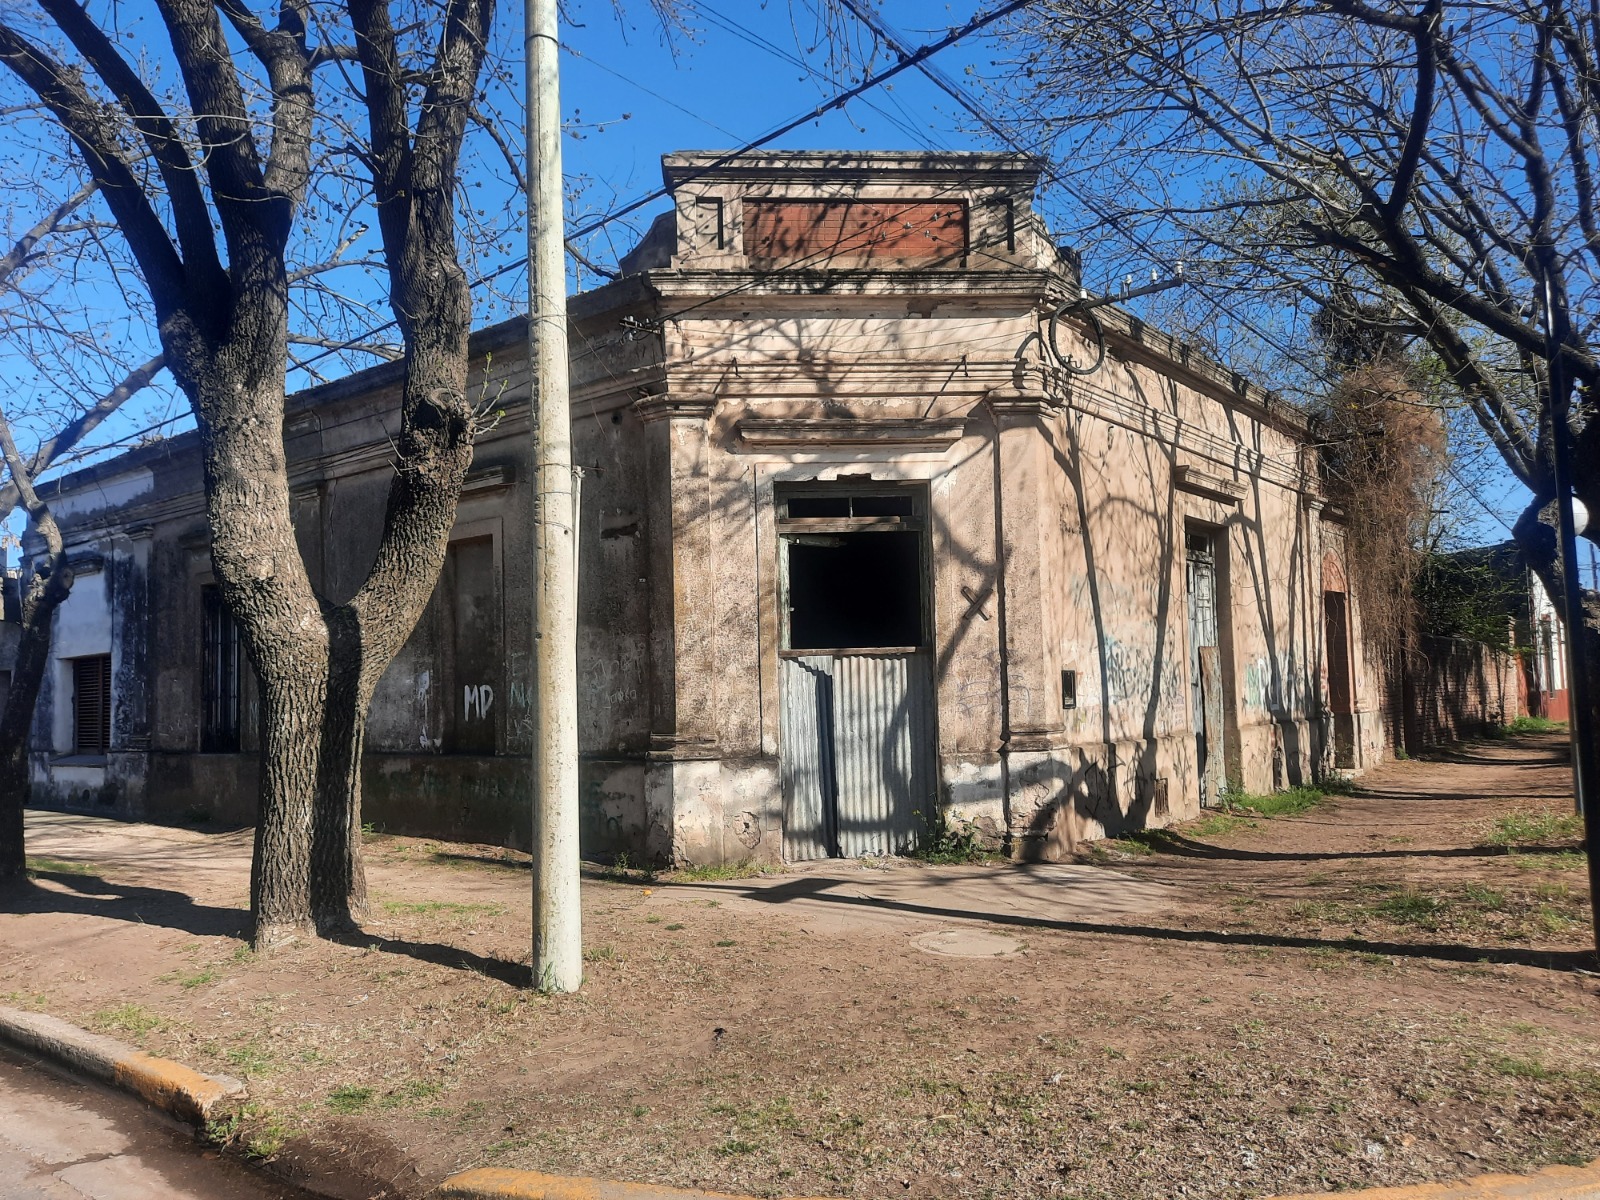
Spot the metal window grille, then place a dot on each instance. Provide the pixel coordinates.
(219, 682)
(91, 704)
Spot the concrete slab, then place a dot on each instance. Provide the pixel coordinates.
(839, 896)
(967, 943)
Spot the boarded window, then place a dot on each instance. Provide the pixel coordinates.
(473, 647)
(854, 570)
(91, 704)
(220, 660)
(854, 233)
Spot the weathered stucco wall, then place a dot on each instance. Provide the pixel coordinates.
(709, 384)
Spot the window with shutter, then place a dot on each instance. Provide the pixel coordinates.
(219, 682)
(91, 704)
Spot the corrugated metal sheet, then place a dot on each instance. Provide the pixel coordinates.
(805, 730)
(877, 752)
(857, 753)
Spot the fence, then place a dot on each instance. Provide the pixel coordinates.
(1456, 689)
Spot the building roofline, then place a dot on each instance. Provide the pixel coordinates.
(682, 166)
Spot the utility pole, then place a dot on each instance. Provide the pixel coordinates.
(1585, 759)
(557, 921)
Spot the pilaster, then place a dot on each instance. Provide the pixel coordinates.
(1034, 719)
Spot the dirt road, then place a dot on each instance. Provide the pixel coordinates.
(1381, 990)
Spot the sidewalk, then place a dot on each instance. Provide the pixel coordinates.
(1373, 994)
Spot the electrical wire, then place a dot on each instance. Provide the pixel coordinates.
(882, 31)
(839, 100)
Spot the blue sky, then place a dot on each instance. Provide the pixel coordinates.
(631, 93)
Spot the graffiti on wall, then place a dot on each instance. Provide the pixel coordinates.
(477, 700)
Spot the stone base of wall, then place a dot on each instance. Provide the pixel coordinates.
(110, 785)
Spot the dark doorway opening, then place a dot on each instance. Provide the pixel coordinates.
(856, 735)
(1341, 693)
(855, 590)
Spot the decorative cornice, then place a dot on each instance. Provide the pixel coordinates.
(1212, 487)
(1027, 403)
(917, 433)
(675, 406)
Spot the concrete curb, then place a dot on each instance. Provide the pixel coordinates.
(1552, 1183)
(171, 1087)
(493, 1183)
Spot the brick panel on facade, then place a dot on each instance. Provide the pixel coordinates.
(848, 233)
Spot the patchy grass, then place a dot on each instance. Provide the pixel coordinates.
(946, 842)
(1560, 860)
(263, 1133)
(1486, 897)
(347, 1099)
(1534, 725)
(1287, 1043)
(190, 979)
(1288, 803)
(434, 908)
(1411, 907)
(621, 869)
(129, 1018)
(714, 872)
(409, 1092)
(1521, 1068)
(58, 866)
(251, 1057)
(1218, 824)
(1532, 827)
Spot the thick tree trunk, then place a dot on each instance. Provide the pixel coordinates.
(223, 321)
(280, 878)
(338, 874)
(365, 635)
(237, 389)
(45, 590)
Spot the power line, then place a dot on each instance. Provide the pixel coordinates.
(913, 59)
(890, 38)
(839, 100)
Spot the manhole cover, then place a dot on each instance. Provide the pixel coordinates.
(967, 943)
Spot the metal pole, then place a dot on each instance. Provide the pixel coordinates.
(557, 924)
(1585, 762)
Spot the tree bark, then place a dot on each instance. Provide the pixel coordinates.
(47, 588)
(224, 331)
(238, 391)
(44, 588)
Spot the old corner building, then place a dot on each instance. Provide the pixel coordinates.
(853, 554)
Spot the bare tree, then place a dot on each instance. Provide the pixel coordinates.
(1436, 161)
(45, 333)
(209, 208)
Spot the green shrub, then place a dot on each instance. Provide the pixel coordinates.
(1535, 725)
(945, 842)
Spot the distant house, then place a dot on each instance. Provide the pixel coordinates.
(855, 551)
(1546, 639)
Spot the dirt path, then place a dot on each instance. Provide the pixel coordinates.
(1373, 992)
